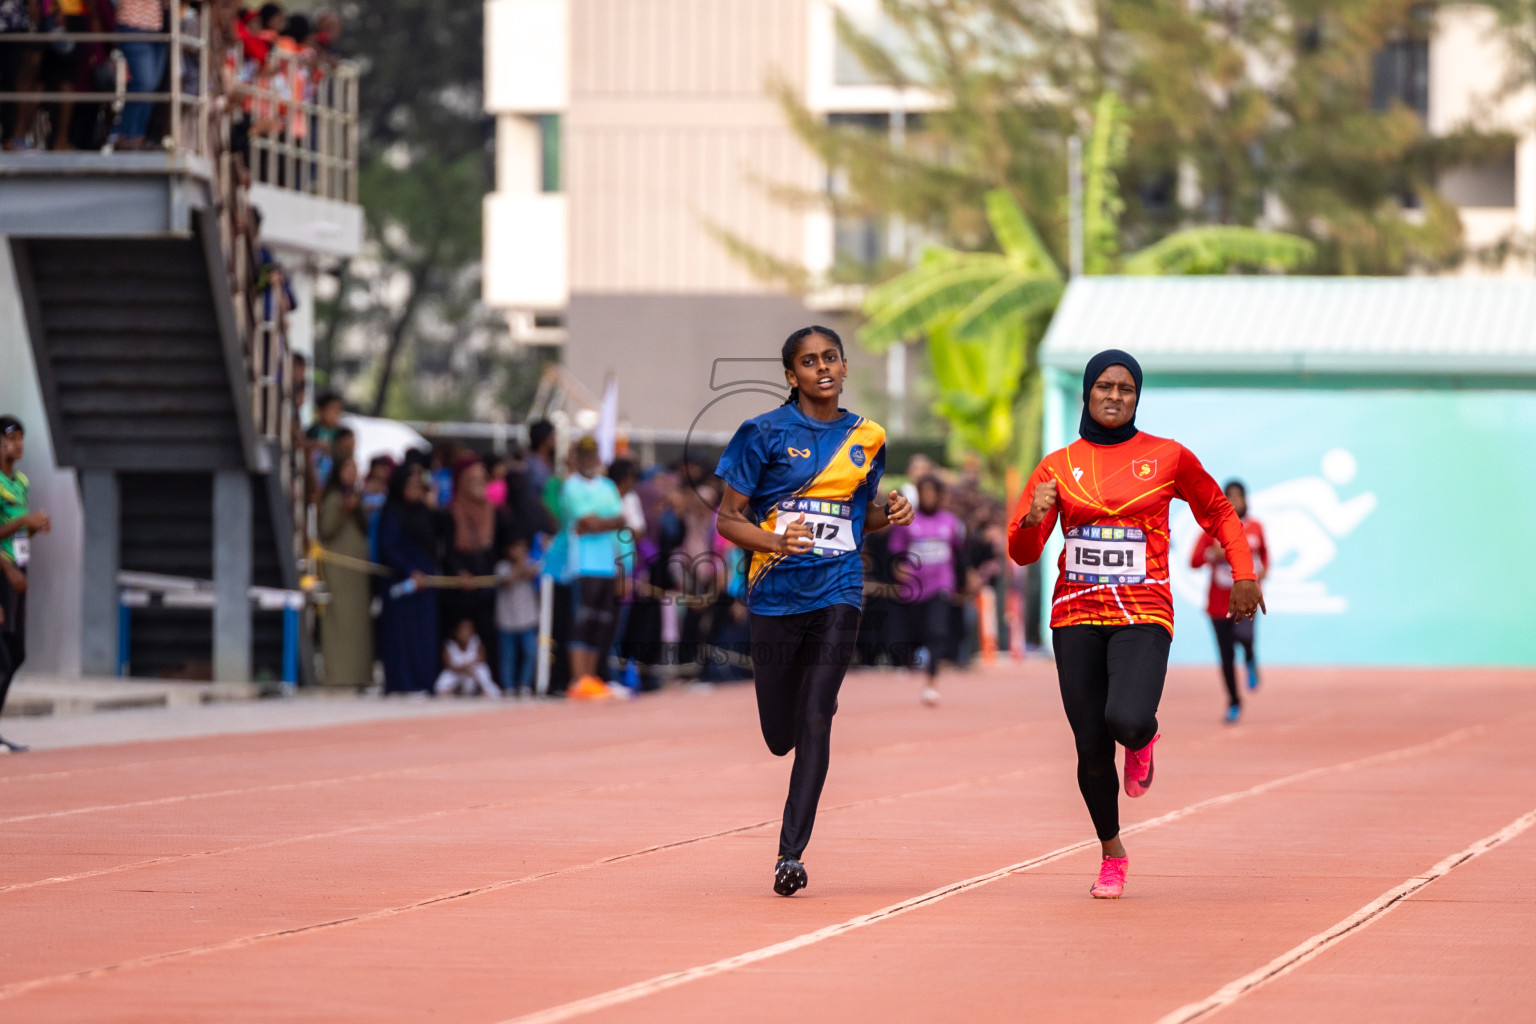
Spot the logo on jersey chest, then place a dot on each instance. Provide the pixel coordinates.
(799, 453)
(1144, 469)
(856, 455)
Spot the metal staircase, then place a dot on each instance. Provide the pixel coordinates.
(165, 370)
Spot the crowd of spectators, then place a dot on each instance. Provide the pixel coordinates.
(269, 61)
(435, 568)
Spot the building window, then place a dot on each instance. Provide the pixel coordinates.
(861, 243)
(887, 36)
(1400, 70)
(1490, 184)
(549, 152)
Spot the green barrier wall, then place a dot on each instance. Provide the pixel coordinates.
(1400, 523)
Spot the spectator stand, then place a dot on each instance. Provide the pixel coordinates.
(114, 247)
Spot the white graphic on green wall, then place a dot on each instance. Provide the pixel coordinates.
(1305, 520)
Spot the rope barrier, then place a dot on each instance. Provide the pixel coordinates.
(341, 561)
(634, 587)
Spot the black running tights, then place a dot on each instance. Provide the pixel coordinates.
(13, 636)
(1111, 681)
(798, 662)
(1228, 635)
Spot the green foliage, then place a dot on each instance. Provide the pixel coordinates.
(977, 384)
(984, 313)
(973, 294)
(1243, 114)
(1006, 306)
(928, 296)
(1217, 250)
(1102, 205)
(1017, 236)
(426, 162)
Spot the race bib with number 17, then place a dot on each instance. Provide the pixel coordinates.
(830, 523)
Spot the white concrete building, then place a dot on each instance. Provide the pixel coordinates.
(1468, 68)
(626, 130)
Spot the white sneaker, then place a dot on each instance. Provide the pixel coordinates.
(930, 695)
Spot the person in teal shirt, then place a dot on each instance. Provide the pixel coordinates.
(593, 513)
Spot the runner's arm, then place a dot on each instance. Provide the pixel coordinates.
(1214, 513)
(1200, 556)
(1025, 543)
(1261, 553)
(735, 524)
(34, 522)
(896, 510)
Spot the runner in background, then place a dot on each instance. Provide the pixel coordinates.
(929, 557)
(1230, 632)
(801, 484)
(18, 525)
(1112, 611)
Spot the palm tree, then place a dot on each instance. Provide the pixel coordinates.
(984, 313)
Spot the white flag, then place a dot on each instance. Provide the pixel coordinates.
(608, 421)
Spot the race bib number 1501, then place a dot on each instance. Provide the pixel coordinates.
(1106, 554)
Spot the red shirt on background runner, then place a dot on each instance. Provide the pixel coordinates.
(1216, 602)
(1113, 504)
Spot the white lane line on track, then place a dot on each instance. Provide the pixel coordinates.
(618, 787)
(409, 770)
(16, 989)
(446, 812)
(278, 787)
(268, 751)
(1367, 915)
(660, 983)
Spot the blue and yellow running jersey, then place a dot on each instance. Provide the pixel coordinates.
(790, 465)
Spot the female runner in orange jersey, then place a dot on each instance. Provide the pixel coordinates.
(1112, 612)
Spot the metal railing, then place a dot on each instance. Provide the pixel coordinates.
(300, 111)
(307, 111)
(298, 117)
(155, 590)
(179, 99)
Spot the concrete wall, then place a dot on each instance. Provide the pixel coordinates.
(671, 125)
(664, 348)
(53, 609)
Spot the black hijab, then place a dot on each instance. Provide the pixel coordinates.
(1092, 430)
(414, 515)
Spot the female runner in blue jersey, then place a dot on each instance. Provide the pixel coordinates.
(801, 488)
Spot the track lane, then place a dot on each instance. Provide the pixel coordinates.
(1031, 801)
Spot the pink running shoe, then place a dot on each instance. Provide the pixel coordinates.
(1138, 769)
(1111, 883)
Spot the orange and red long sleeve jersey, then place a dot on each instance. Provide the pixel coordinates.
(1112, 501)
(1220, 592)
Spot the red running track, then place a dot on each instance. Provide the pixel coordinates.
(1361, 847)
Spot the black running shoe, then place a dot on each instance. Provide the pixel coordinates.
(19, 748)
(789, 876)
